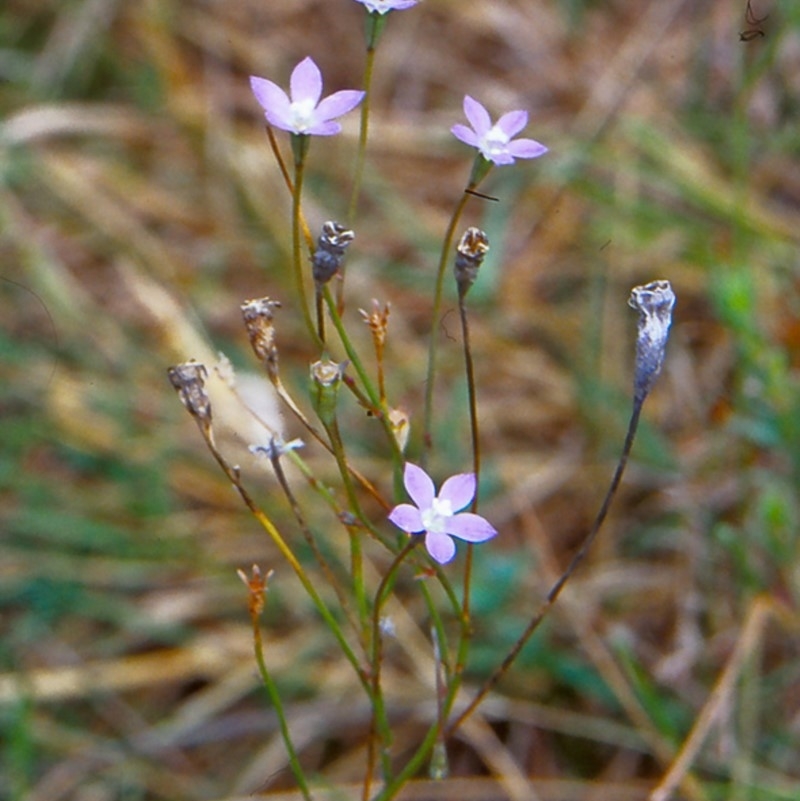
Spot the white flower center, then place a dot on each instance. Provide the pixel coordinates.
(435, 518)
(494, 142)
(302, 112)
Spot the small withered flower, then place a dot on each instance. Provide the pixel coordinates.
(331, 247)
(276, 447)
(258, 315)
(256, 583)
(188, 379)
(470, 252)
(378, 321)
(654, 302)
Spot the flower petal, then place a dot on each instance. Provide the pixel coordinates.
(272, 99)
(419, 486)
(306, 82)
(459, 490)
(498, 157)
(470, 527)
(324, 129)
(477, 115)
(512, 122)
(440, 547)
(466, 135)
(338, 103)
(526, 148)
(383, 6)
(408, 518)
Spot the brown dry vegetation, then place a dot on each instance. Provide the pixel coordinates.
(140, 204)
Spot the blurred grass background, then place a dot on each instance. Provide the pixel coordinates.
(139, 205)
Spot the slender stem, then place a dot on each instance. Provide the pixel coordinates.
(555, 590)
(374, 397)
(320, 315)
(233, 475)
(379, 712)
(284, 395)
(473, 403)
(356, 555)
(309, 538)
(435, 313)
(275, 698)
(273, 143)
(297, 259)
(362, 135)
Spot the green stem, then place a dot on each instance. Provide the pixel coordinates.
(437, 305)
(309, 538)
(300, 148)
(362, 135)
(374, 396)
(233, 475)
(380, 723)
(275, 698)
(356, 555)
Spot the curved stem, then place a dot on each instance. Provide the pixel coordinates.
(555, 590)
(436, 311)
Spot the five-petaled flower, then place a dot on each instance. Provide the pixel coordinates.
(382, 6)
(439, 516)
(496, 142)
(302, 111)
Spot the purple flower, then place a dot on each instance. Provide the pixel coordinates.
(302, 111)
(495, 141)
(435, 515)
(382, 6)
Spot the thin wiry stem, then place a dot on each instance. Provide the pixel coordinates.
(555, 590)
(435, 313)
(275, 698)
(297, 259)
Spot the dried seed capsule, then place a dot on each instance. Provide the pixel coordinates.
(188, 379)
(654, 302)
(258, 315)
(471, 250)
(329, 255)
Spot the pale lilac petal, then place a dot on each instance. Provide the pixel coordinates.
(419, 485)
(513, 122)
(459, 490)
(407, 517)
(382, 6)
(526, 148)
(306, 81)
(271, 98)
(338, 103)
(440, 547)
(470, 527)
(466, 135)
(499, 158)
(323, 129)
(477, 115)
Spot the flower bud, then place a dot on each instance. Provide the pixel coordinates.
(326, 377)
